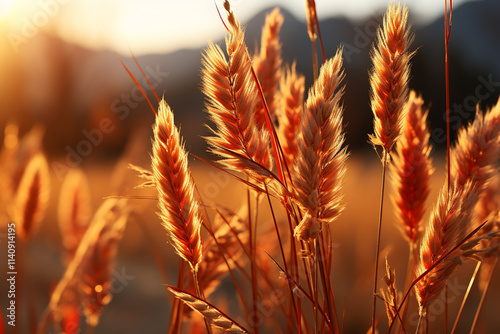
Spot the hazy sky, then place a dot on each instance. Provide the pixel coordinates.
(158, 26)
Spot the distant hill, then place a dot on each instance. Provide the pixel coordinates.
(85, 85)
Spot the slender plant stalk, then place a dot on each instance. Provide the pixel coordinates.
(389, 94)
(177, 307)
(90, 329)
(409, 279)
(253, 270)
(483, 296)
(418, 324)
(471, 283)
(315, 14)
(312, 30)
(297, 314)
(327, 291)
(199, 293)
(377, 250)
(447, 28)
(447, 32)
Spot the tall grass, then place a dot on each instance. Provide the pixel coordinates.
(277, 248)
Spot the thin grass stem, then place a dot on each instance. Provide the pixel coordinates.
(471, 283)
(418, 324)
(90, 329)
(177, 307)
(408, 280)
(483, 296)
(297, 314)
(199, 294)
(377, 251)
(253, 271)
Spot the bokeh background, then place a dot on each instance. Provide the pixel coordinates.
(60, 75)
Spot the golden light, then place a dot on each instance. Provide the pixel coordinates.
(98, 288)
(6, 5)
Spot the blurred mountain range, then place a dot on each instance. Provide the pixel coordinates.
(70, 89)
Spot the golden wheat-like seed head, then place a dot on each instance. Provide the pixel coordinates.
(488, 209)
(311, 22)
(267, 64)
(28, 146)
(100, 249)
(32, 196)
(179, 210)
(412, 168)
(472, 168)
(292, 87)
(389, 77)
(90, 270)
(477, 149)
(449, 224)
(8, 151)
(390, 295)
(74, 209)
(321, 164)
(231, 97)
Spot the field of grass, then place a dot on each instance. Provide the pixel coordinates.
(282, 230)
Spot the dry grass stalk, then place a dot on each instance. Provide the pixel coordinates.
(475, 158)
(10, 147)
(91, 267)
(412, 169)
(390, 296)
(29, 146)
(213, 315)
(321, 165)
(231, 101)
(448, 226)
(229, 235)
(96, 268)
(389, 77)
(477, 149)
(179, 210)
(489, 203)
(149, 180)
(267, 64)
(311, 22)
(74, 209)
(32, 196)
(487, 209)
(292, 86)
(8, 151)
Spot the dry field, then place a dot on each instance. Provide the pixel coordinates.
(282, 230)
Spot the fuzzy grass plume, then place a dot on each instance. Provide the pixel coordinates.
(321, 164)
(101, 247)
(74, 209)
(389, 77)
(89, 271)
(232, 101)
(412, 168)
(267, 64)
(448, 226)
(477, 150)
(179, 210)
(32, 196)
(292, 87)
